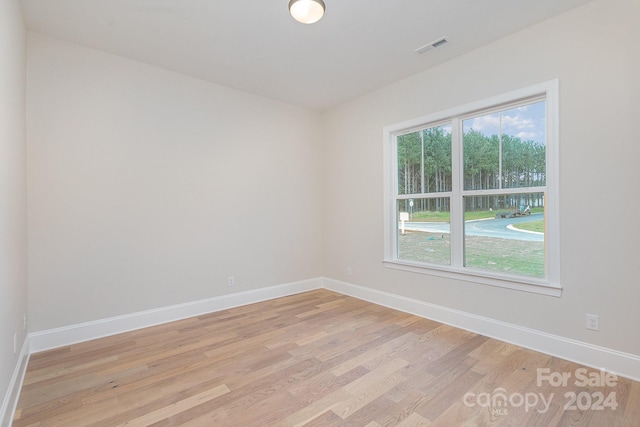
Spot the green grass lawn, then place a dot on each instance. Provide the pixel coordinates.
(537, 226)
(505, 255)
(485, 253)
(431, 216)
(434, 216)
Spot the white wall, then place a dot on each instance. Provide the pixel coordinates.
(148, 188)
(593, 51)
(13, 231)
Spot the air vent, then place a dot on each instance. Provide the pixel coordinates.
(429, 46)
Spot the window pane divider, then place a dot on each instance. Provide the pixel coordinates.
(423, 195)
(501, 191)
(457, 178)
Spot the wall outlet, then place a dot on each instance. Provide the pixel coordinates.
(15, 343)
(349, 272)
(25, 322)
(593, 322)
(231, 281)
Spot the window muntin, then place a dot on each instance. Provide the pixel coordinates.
(525, 150)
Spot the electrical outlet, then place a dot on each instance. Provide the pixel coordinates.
(15, 343)
(593, 322)
(349, 272)
(25, 322)
(231, 281)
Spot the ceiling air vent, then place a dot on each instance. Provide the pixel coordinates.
(434, 44)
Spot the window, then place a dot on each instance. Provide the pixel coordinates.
(472, 192)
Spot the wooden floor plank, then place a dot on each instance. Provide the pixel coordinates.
(318, 359)
(177, 407)
(367, 388)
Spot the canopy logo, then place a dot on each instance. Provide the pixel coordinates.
(498, 402)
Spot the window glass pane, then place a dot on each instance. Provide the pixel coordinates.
(437, 159)
(506, 149)
(424, 161)
(481, 147)
(424, 230)
(409, 161)
(505, 233)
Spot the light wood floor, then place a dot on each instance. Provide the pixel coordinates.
(314, 359)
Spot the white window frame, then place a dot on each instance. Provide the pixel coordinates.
(550, 284)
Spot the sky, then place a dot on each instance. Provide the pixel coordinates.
(526, 122)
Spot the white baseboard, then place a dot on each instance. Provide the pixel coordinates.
(15, 385)
(623, 364)
(59, 337)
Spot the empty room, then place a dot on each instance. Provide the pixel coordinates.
(319, 213)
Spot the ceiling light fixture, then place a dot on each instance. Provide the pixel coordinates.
(306, 11)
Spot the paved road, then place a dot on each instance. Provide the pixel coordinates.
(488, 228)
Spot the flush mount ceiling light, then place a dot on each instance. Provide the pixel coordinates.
(306, 11)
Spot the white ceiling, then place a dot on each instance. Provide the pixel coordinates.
(255, 45)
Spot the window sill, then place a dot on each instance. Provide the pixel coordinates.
(535, 286)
